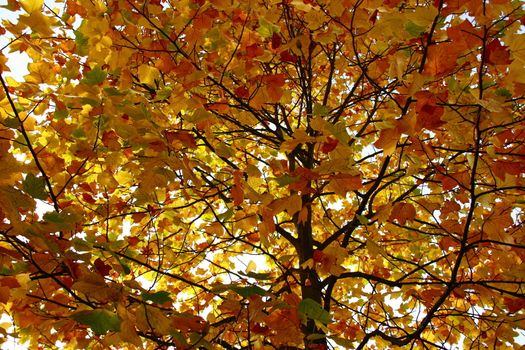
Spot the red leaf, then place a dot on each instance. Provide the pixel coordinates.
(329, 145)
(391, 3)
(428, 112)
(10, 282)
(186, 138)
(260, 329)
(514, 304)
(133, 241)
(110, 140)
(102, 268)
(242, 92)
(286, 56)
(88, 198)
(318, 256)
(497, 54)
(276, 41)
(238, 188)
(254, 50)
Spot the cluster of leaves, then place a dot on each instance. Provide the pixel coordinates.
(264, 174)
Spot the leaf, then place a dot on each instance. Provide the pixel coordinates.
(148, 74)
(387, 140)
(442, 59)
(65, 220)
(35, 187)
(413, 29)
(329, 145)
(31, 6)
(257, 275)
(514, 304)
(13, 201)
(244, 292)
(311, 309)
(497, 54)
(403, 212)
(156, 297)
(94, 76)
(81, 42)
(428, 111)
(100, 321)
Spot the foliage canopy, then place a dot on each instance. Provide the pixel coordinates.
(264, 174)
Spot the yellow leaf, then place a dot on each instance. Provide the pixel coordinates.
(374, 249)
(31, 6)
(149, 318)
(148, 74)
(39, 73)
(129, 334)
(38, 23)
(293, 204)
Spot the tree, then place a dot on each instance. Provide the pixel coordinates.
(245, 174)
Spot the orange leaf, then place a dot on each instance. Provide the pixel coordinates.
(464, 36)
(441, 59)
(341, 184)
(387, 140)
(5, 293)
(184, 137)
(403, 212)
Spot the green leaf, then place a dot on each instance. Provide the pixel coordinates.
(504, 93)
(35, 187)
(81, 41)
(363, 220)
(413, 29)
(61, 114)
(257, 276)
(94, 76)
(53, 217)
(12, 123)
(198, 342)
(266, 29)
(316, 336)
(242, 291)
(100, 321)
(223, 217)
(248, 291)
(348, 344)
(311, 309)
(78, 134)
(65, 220)
(157, 297)
(164, 93)
(89, 101)
(286, 180)
(320, 110)
(111, 91)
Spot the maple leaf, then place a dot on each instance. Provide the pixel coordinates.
(497, 54)
(403, 212)
(329, 145)
(442, 59)
(428, 111)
